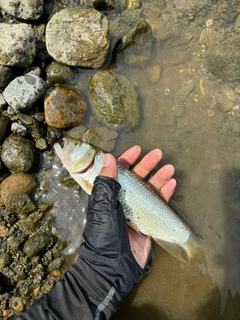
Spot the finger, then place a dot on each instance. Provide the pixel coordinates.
(109, 167)
(148, 163)
(168, 189)
(164, 174)
(129, 157)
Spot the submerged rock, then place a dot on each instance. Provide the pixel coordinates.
(114, 100)
(224, 60)
(19, 154)
(14, 193)
(64, 107)
(100, 137)
(78, 37)
(17, 45)
(136, 43)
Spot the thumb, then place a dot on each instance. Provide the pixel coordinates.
(109, 168)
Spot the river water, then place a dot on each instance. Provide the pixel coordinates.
(196, 137)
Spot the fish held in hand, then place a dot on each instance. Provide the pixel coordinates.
(145, 210)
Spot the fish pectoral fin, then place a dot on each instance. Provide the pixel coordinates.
(174, 249)
(132, 225)
(87, 186)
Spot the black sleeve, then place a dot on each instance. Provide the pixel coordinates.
(105, 270)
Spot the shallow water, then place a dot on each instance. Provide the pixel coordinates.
(205, 153)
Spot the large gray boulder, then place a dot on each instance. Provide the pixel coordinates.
(78, 37)
(17, 47)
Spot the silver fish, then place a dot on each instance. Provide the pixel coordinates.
(147, 212)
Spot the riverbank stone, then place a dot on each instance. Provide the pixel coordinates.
(78, 37)
(15, 190)
(114, 100)
(24, 91)
(64, 107)
(24, 9)
(19, 154)
(17, 45)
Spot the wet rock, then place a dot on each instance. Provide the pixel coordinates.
(226, 100)
(57, 73)
(31, 222)
(17, 304)
(64, 107)
(22, 92)
(4, 126)
(24, 9)
(237, 24)
(3, 231)
(2, 102)
(31, 124)
(136, 43)
(53, 135)
(180, 104)
(5, 76)
(114, 100)
(14, 193)
(224, 60)
(17, 240)
(210, 37)
(100, 137)
(17, 45)
(38, 243)
(19, 129)
(185, 5)
(41, 144)
(19, 154)
(56, 264)
(154, 73)
(78, 37)
(5, 259)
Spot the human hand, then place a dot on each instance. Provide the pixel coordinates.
(162, 181)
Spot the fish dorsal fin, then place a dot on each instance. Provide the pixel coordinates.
(175, 250)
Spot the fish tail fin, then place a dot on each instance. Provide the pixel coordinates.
(174, 249)
(182, 253)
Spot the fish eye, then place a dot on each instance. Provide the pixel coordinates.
(77, 143)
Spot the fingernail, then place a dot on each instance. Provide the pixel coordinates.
(107, 160)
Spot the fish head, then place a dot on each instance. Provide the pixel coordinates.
(76, 156)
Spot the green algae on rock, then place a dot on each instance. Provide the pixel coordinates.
(114, 100)
(224, 60)
(19, 154)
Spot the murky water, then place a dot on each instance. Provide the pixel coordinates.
(206, 155)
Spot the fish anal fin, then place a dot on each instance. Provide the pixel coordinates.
(175, 250)
(132, 225)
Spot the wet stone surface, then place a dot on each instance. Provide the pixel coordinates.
(64, 107)
(19, 154)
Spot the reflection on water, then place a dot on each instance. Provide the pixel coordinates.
(196, 137)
